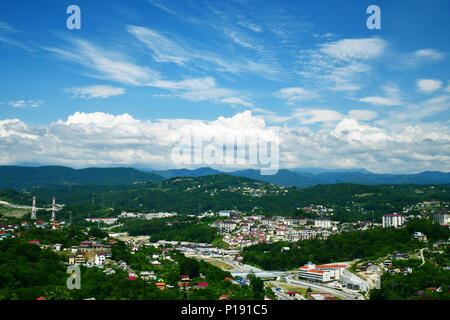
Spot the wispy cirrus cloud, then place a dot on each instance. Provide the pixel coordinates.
(392, 97)
(166, 50)
(201, 89)
(6, 31)
(338, 64)
(106, 64)
(99, 91)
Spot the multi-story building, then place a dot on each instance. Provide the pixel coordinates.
(311, 273)
(324, 223)
(393, 220)
(441, 217)
(100, 258)
(335, 269)
(224, 225)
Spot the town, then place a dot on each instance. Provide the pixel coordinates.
(347, 280)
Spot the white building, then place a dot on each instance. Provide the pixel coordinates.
(100, 258)
(335, 269)
(309, 272)
(102, 220)
(393, 220)
(322, 223)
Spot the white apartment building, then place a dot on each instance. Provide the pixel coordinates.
(322, 223)
(393, 220)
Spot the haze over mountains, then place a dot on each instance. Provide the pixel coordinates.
(20, 177)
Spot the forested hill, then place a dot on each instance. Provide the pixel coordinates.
(189, 195)
(18, 178)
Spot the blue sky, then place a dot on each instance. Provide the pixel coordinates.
(341, 94)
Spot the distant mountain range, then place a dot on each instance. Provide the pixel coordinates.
(19, 177)
(302, 178)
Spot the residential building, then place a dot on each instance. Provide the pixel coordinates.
(442, 217)
(393, 220)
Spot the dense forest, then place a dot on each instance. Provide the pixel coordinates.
(350, 202)
(345, 246)
(421, 284)
(18, 178)
(179, 228)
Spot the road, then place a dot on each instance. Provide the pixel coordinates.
(321, 288)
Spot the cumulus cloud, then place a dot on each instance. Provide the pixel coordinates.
(100, 91)
(428, 85)
(99, 139)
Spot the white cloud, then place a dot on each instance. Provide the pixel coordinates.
(164, 50)
(311, 116)
(295, 94)
(428, 85)
(99, 91)
(114, 66)
(363, 115)
(348, 49)
(187, 55)
(236, 101)
(431, 54)
(381, 101)
(251, 26)
(26, 103)
(392, 97)
(6, 27)
(107, 64)
(339, 65)
(201, 89)
(99, 139)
